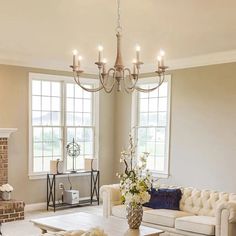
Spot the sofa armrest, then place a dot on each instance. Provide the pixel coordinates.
(226, 219)
(111, 196)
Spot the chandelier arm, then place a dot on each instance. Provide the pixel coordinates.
(108, 90)
(77, 80)
(131, 88)
(128, 89)
(160, 82)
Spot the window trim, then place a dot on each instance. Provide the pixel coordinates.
(60, 78)
(135, 114)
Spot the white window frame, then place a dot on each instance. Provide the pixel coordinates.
(135, 114)
(95, 112)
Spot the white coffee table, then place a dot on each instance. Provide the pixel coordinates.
(83, 221)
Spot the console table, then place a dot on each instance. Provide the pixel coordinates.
(94, 189)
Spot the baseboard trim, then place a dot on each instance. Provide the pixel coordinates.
(36, 206)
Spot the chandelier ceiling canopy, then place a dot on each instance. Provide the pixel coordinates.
(119, 74)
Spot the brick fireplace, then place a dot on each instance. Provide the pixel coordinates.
(9, 210)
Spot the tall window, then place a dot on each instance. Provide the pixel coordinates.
(152, 121)
(59, 112)
(79, 122)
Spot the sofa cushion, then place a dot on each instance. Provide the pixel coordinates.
(164, 199)
(120, 211)
(163, 217)
(197, 224)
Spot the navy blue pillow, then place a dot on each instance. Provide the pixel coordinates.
(164, 199)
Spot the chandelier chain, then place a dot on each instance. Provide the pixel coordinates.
(118, 28)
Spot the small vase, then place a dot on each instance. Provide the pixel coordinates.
(134, 215)
(6, 196)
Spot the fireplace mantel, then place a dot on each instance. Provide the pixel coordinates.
(9, 210)
(6, 132)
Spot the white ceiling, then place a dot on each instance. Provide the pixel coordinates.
(43, 33)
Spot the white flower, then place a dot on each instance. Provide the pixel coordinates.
(6, 188)
(128, 198)
(136, 181)
(145, 197)
(136, 198)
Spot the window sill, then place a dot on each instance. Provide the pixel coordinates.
(44, 176)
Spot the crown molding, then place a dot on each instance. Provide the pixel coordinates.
(6, 132)
(181, 63)
(197, 61)
(46, 65)
(204, 60)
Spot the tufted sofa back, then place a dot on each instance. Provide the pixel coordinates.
(202, 202)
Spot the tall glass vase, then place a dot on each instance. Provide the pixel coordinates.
(134, 215)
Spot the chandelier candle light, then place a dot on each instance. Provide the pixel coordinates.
(119, 73)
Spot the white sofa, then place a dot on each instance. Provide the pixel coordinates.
(202, 212)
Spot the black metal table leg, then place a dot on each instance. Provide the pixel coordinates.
(51, 191)
(95, 185)
(47, 192)
(54, 190)
(91, 188)
(98, 196)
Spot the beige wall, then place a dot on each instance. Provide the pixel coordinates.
(203, 128)
(14, 114)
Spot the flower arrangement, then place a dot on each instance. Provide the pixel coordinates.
(136, 180)
(6, 188)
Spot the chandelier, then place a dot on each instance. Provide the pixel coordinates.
(119, 74)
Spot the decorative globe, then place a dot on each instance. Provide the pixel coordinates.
(73, 150)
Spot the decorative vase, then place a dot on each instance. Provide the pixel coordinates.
(134, 215)
(6, 196)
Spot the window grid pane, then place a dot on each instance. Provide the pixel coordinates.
(46, 124)
(152, 126)
(79, 123)
(78, 106)
(47, 143)
(46, 108)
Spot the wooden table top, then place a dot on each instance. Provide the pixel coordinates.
(112, 226)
